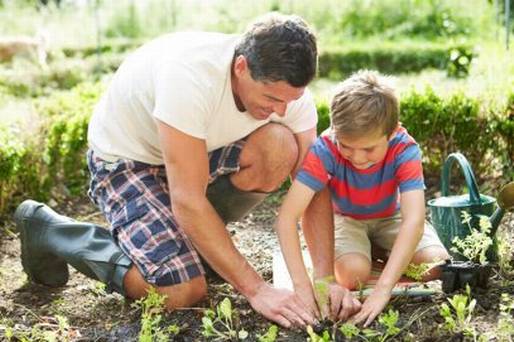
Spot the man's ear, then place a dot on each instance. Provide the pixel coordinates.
(240, 65)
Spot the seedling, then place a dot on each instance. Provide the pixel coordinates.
(505, 329)
(219, 324)
(152, 307)
(417, 271)
(270, 336)
(475, 245)
(458, 315)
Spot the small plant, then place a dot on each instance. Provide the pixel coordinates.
(417, 271)
(152, 307)
(322, 292)
(349, 330)
(270, 336)
(505, 329)
(475, 245)
(223, 319)
(457, 316)
(313, 337)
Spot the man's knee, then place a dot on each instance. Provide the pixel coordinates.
(352, 270)
(177, 296)
(267, 158)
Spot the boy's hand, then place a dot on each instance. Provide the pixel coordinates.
(334, 300)
(342, 303)
(372, 307)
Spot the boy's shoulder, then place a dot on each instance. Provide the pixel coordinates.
(401, 139)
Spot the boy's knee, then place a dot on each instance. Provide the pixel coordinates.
(352, 270)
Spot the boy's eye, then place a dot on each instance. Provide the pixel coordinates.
(370, 149)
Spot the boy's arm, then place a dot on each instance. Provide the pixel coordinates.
(412, 204)
(318, 230)
(294, 204)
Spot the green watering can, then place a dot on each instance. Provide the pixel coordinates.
(446, 210)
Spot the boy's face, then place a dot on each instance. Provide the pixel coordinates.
(363, 151)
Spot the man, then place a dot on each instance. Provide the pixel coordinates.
(194, 130)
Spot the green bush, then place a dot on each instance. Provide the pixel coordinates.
(394, 58)
(67, 117)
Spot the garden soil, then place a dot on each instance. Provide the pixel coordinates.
(93, 315)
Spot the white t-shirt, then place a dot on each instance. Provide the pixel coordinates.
(183, 80)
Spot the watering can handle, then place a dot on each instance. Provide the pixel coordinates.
(474, 195)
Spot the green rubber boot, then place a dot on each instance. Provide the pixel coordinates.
(231, 203)
(49, 242)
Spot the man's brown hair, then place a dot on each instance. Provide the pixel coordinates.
(280, 48)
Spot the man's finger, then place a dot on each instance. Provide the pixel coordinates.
(282, 321)
(293, 317)
(307, 312)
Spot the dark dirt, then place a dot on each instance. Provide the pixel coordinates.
(28, 309)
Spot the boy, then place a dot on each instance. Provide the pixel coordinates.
(371, 169)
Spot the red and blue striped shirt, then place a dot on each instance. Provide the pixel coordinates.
(369, 193)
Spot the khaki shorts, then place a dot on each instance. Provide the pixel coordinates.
(356, 236)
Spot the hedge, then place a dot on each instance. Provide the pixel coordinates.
(394, 58)
(53, 161)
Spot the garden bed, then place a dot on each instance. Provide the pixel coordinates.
(81, 310)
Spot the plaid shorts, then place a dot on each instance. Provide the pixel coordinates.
(134, 199)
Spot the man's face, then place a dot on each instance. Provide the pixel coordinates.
(364, 151)
(261, 99)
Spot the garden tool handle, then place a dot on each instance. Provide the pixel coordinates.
(471, 183)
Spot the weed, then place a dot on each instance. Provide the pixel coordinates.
(220, 324)
(457, 316)
(475, 245)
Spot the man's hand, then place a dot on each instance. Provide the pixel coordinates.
(282, 306)
(307, 296)
(372, 307)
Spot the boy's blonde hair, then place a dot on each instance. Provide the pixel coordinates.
(364, 103)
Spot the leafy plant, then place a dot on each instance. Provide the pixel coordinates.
(475, 245)
(313, 337)
(220, 324)
(270, 336)
(457, 316)
(152, 307)
(505, 329)
(322, 291)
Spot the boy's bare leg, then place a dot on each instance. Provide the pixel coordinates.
(352, 270)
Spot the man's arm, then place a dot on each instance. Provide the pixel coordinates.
(412, 205)
(187, 170)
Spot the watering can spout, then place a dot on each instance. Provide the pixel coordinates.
(505, 202)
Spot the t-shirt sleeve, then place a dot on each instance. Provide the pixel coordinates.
(301, 114)
(317, 167)
(408, 169)
(181, 99)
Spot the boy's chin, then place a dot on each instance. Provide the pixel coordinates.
(363, 166)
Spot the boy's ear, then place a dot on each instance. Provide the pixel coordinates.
(394, 132)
